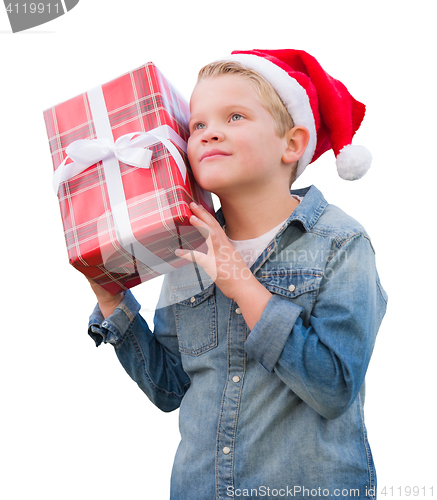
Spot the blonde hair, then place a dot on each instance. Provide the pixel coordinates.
(267, 94)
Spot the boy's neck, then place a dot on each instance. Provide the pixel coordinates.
(252, 216)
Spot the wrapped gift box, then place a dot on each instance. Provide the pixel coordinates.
(123, 180)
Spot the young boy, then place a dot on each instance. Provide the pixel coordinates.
(265, 349)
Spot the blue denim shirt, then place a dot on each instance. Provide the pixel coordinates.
(275, 412)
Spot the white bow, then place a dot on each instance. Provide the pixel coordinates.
(127, 149)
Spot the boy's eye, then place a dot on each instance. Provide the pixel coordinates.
(199, 126)
(236, 117)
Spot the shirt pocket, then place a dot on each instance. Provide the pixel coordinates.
(299, 285)
(196, 321)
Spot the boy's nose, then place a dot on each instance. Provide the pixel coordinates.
(212, 135)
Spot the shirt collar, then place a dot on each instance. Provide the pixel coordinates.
(310, 208)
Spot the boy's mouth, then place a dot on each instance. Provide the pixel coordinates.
(213, 153)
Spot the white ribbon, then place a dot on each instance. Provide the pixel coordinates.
(87, 152)
(129, 150)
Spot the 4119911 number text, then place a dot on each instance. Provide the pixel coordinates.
(33, 8)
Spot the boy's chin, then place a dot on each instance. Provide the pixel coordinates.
(221, 186)
(210, 185)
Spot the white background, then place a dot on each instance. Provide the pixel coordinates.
(73, 425)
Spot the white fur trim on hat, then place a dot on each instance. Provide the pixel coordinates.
(292, 94)
(353, 162)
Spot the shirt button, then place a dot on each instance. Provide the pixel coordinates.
(193, 299)
(226, 450)
(238, 310)
(291, 288)
(236, 379)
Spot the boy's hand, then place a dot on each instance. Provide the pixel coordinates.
(107, 302)
(222, 262)
(226, 267)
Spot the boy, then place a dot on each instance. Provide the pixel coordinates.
(265, 349)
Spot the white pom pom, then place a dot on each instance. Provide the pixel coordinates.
(353, 162)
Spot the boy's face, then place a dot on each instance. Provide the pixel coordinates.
(233, 146)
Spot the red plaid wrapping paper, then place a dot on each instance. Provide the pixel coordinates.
(157, 198)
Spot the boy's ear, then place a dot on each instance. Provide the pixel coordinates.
(297, 140)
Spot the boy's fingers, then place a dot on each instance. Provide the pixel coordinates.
(198, 258)
(201, 226)
(189, 255)
(203, 214)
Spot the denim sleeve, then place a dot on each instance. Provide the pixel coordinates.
(325, 363)
(152, 359)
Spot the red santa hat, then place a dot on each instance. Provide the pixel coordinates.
(317, 101)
